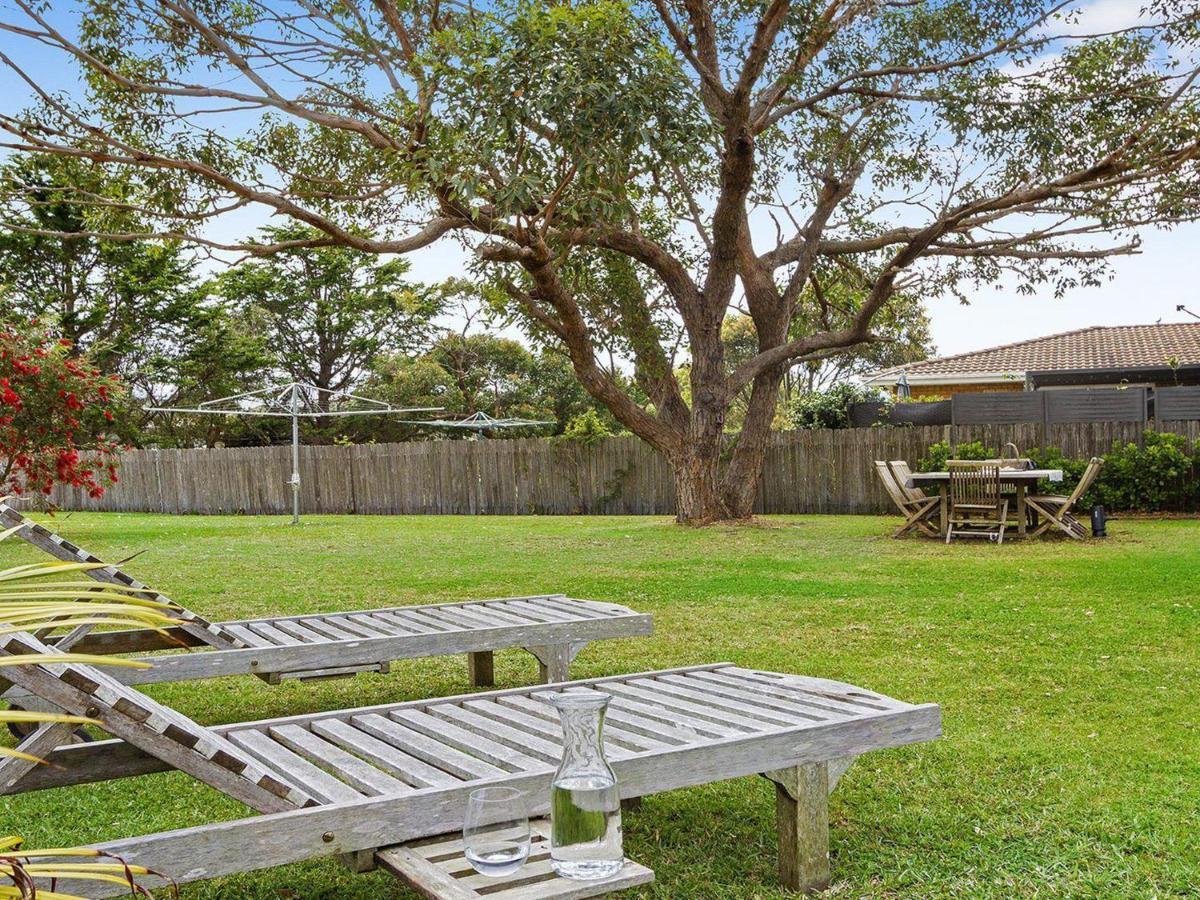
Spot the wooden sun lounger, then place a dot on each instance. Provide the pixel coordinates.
(553, 627)
(358, 781)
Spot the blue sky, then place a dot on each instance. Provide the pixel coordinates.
(1144, 288)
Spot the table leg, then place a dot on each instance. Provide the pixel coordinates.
(944, 510)
(1022, 519)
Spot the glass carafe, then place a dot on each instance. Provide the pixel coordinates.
(585, 806)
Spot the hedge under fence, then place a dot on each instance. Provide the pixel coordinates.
(1162, 475)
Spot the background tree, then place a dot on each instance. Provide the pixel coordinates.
(328, 311)
(728, 152)
(902, 327)
(218, 353)
(112, 299)
(467, 373)
(57, 421)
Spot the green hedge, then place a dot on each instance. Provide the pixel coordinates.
(1162, 474)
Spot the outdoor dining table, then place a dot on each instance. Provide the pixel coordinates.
(1021, 481)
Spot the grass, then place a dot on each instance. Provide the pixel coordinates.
(1067, 677)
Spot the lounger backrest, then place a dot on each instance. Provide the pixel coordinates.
(158, 730)
(60, 548)
(891, 486)
(1085, 480)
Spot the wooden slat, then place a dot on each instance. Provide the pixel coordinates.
(617, 741)
(409, 624)
(570, 608)
(359, 774)
(670, 710)
(438, 869)
(520, 740)
(332, 632)
(414, 616)
(504, 615)
(542, 612)
(411, 770)
(295, 629)
(456, 618)
(274, 635)
(250, 637)
(824, 690)
(295, 768)
(377, 624)
(475, 744)
(425, 748)
(346, 623)
(822, 705)
(483, 616)
(672, 692)
(817, 712)
(622, 714)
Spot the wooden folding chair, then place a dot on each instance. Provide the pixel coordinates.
(902, 473)
(916, 510)
(977, 508)
(1056, 511)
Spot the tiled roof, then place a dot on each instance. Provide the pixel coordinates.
(1098, 347)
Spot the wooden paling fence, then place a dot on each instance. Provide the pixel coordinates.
(828, 471)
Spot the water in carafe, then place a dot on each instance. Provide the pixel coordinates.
(585, 804)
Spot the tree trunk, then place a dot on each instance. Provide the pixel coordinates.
(740, 483)
(697, 487)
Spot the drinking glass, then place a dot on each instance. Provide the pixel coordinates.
(496, 831)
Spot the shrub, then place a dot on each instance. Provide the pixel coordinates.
(586, 429)
(831, 408)
(1161, 474)
(56, 415)
(936, 457)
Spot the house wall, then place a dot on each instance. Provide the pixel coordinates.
(941, 391)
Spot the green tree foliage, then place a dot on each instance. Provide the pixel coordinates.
(903, 336)
(901, 329)
(223, 351)
(118, 301)
(708, 154)
(464, 374)
(328, 311)
(586, 429)
(831, 408)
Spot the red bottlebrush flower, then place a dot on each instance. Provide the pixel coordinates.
(49, 426)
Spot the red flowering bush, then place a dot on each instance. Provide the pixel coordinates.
(56, 415)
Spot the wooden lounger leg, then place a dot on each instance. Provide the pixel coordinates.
(802, 819)
(554, 661)
(480, 668)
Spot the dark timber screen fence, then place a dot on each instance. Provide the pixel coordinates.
(805, 472)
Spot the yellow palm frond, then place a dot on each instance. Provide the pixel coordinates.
(49, 596)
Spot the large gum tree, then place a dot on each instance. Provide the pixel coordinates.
(625, 173)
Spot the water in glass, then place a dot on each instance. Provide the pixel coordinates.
(496, 831)
(585, 805)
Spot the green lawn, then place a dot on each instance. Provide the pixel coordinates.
(1067, 676)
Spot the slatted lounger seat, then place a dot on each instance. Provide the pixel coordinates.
(358, 781)
(552, 627)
